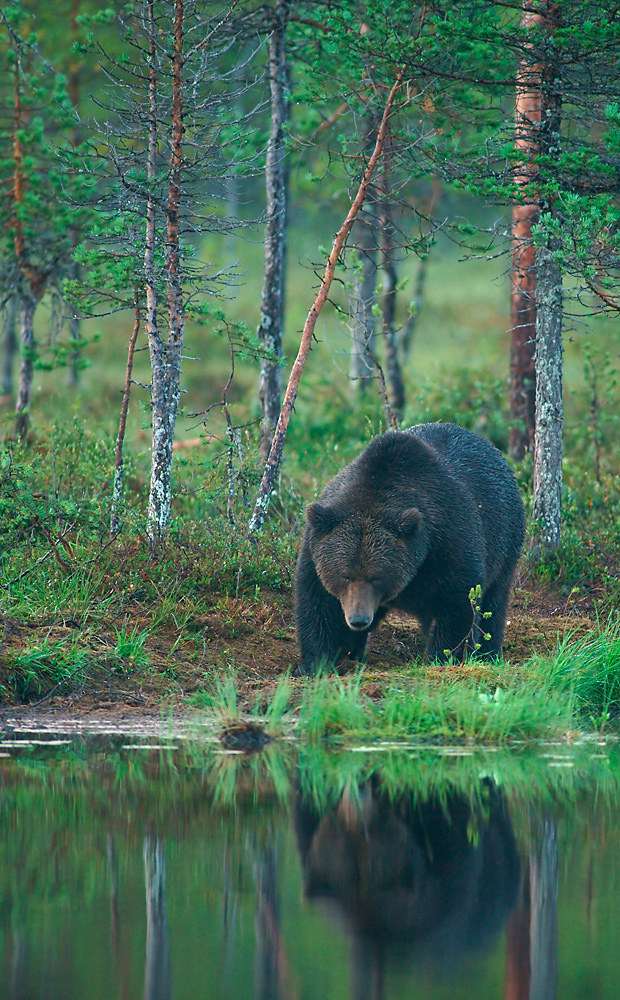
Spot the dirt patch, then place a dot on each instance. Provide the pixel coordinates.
(255, 639)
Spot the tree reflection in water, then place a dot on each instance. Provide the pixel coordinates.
(157, 982)
(532, 935)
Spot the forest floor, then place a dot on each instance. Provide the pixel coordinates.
(255, 641)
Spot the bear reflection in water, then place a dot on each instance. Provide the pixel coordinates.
(428, 881)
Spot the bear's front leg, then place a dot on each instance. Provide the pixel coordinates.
(323, 635)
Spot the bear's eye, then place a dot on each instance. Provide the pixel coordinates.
(346, 579)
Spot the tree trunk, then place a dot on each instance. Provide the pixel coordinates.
(518, 933)
(74, 333)
(27, 306)
(523, 270)
(156, 350)
(9, 346)
(388, 304)
(547, 506)
(117, 493)
(166, 361)
(363, 322)
(414, 313)
(273, 462)
(272, 298)
(73, 88)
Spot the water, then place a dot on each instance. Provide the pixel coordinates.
(138, 867)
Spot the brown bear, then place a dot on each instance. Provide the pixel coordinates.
(406, 876)
(420, 518)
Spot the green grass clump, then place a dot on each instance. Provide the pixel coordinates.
(455, 711)
(588, 671)
(130, 649)
(335, 707)
(40, 669)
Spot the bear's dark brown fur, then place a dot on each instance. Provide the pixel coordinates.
(415, 522)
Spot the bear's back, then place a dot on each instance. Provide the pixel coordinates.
(485, 474)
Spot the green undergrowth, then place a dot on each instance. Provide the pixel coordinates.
(575, 690)
(587, 671)
(60, 570)
(453, 711)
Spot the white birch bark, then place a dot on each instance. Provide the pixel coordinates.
(270, 327)
(157, 977)
(165, 358)
(547, 472)
(166, 381)
(363, 321)
(544, 914)
(150, 319)
(549, 406)
(390, 283)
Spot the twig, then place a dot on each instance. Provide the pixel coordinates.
(384, 393)
(117, 493)
(49, 694)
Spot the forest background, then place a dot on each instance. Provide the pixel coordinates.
(172, 178)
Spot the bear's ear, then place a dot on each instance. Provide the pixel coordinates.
(409, 521)
(322, 518)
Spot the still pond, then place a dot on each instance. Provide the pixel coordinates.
(163, 869)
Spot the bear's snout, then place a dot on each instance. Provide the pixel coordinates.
(359, 603)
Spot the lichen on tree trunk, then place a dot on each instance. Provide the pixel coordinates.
(363, 321)
(166, 358)
(272, 298)
(390, 283)
(547, 488)
(549, 407)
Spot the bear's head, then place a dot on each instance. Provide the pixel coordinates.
(366, 559)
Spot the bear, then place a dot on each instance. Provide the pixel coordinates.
(406, 875)
(415, 522)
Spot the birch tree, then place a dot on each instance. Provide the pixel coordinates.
(159, 158)
(270, 328)
(390, 283)
(275, 454)
(36, 245)
(547, 504)
(157, 966)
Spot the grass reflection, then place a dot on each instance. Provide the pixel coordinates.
(171, 786)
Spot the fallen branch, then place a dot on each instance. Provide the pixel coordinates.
(275, 454)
